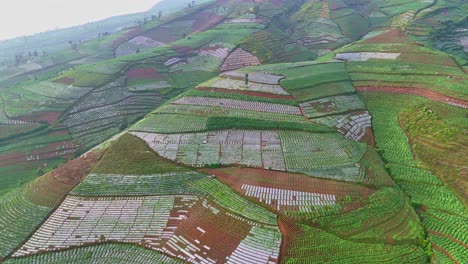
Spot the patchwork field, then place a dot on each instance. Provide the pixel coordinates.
(228, 131)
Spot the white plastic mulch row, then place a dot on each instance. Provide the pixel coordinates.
(364, 56)
(250, 148)
(240, 104)
(79, 220)
(283, 198)
(260, 246)
(354, 126)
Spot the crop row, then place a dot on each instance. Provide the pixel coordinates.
(331, 105)
(235, 84)
(313, 245)
(238, 104)
(78, 221)
(101, 253)
(18, 218)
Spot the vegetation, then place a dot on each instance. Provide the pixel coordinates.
(298, 131)
(130, 155)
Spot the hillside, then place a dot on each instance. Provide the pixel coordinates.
(329, 131)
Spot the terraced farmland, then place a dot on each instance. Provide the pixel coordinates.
(228, 131)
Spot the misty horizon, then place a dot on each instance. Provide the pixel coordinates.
(23, 18)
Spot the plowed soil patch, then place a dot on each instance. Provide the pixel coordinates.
(66, 80)
(445, 252)
(238, 178)
(428, 94)
(50, 189)
(250, 93)
(391, 36)
(162, 34)
(143, 73)
(75, 170)
(205, 21)
(219, 232)
(49, 117)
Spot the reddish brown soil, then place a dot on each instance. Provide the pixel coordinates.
(428, 94)
(10, 159)
(427, 58)
(162, 34)
(445, 252)
(50, 189)
(49, 117)
(213, 48)
(127, 36)
(183, 49)
(236, 177)
(205, 21)
(290, 231)
(143, 73)
(432, 232)
(75, 170)
(66, 80)
(391, 36)
(222, 232)
(250, 93)
(369, 137)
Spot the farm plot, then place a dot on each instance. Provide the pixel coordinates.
(316, 81)
(256, 77)
(355, 126)
(242, 95)
(97, 184)
(189, 118)
(421, 92)
(290, 193)
(251, 148)
(388, 215)
(139, 43)
(239, 104)
(20, 102)
(57, 90)
(83, 78)
(143, 73)
(184, 227)
(50, 189)
(331, 105)
(118, 253)
(18, 218)
(197, 239)
(219, 51)
(89, 220)
(441, 211)
(307, 244)
(94, 120)
(324, 155)
(235, 84)
(201, 62)
(239, 59)
(364, 56)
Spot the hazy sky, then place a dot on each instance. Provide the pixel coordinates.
(25, 17)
